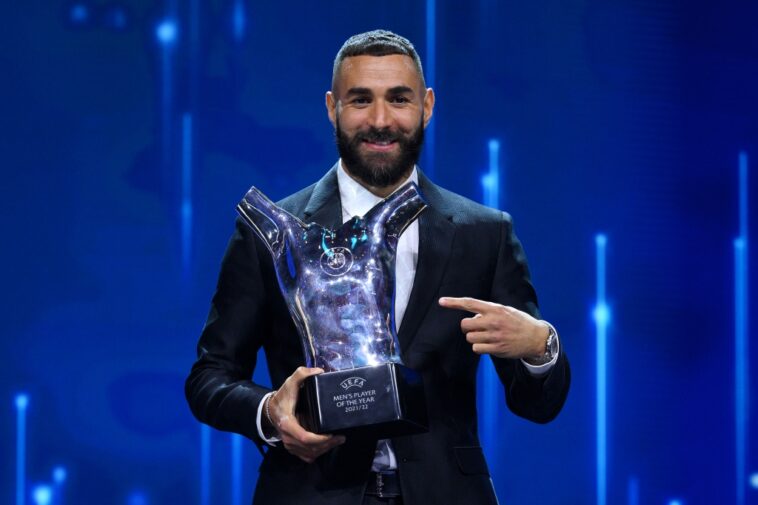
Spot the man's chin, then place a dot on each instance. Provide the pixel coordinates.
(381, 157)
(383, 179)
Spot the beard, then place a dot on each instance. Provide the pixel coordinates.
(380, 169)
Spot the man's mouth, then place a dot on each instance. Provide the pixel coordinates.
(379, 145)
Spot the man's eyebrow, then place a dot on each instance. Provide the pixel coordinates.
(358, 91)
(399, 90)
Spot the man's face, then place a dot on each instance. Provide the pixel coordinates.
(379, 109)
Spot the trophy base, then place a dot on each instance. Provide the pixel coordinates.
(380, 401)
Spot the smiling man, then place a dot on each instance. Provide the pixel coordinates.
(379, 106)
(462, 290)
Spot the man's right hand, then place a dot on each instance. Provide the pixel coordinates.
(297, 440)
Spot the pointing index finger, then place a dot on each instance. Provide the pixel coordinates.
(465, 303)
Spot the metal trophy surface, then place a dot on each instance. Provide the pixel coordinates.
(339, 287)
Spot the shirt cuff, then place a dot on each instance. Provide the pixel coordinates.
(270, 441)
(544, 369)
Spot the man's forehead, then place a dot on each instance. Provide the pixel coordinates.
(367, 71)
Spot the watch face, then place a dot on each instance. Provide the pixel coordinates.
(552, 343)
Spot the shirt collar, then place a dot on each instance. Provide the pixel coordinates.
(357, 200)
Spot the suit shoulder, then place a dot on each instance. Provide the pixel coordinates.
(466, 211)
(296, 202)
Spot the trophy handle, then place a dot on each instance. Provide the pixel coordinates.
(268, 221)
(398, 211)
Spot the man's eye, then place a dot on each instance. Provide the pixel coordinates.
(400, 99)
(361, 101)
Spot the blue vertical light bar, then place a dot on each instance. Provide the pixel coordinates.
(205, 464)
(743, 194)
(741, 348)
(430, 69)
(22, 402)
(59, 478)
(602, 317)
(236, 443)
(239, 20)
(489, 389)
(194, 53)
(491, 180)
(166, 32)
(633, 491)
(186, 200)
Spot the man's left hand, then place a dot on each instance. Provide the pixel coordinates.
(500, 330)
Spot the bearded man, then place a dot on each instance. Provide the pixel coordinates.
(462, 290)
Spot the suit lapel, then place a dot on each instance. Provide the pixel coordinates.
(436, 233)
(324, 206)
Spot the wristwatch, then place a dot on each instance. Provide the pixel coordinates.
(551, 345)
(551, 348)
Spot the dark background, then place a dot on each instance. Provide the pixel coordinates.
(129, 130)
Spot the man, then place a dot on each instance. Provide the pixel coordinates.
(462, 290)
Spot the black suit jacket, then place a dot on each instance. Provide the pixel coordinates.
(465, 249)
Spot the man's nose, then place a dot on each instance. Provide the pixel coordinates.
(381, 115)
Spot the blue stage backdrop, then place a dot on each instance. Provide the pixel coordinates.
(621, 135)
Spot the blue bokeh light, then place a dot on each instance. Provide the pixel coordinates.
(116, 18)
(78, 13)
(676, 502)
(59, 475)
(22, 401)
(166, 31)
(239, 20)
(754, 481)
(601, 314)
(137, 498)
(42, 495)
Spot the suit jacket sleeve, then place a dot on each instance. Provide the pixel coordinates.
(219, 388)
(539, 399)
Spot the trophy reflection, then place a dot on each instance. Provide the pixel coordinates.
(339, 288)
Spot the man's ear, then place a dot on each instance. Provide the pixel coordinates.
(428, 105)
(331, 108)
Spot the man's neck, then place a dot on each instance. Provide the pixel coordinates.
(380, 191)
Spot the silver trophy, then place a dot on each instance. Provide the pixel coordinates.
(339, 287)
